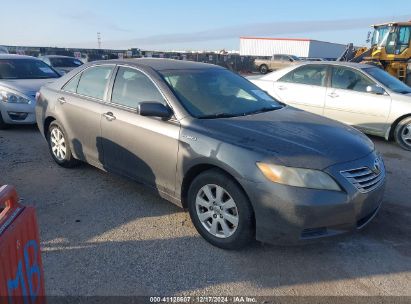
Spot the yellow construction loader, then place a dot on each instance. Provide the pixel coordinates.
(390, 49)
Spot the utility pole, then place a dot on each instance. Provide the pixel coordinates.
(99, 40)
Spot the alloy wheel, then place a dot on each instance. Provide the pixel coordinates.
(217, 211)
(58, 144)
(406, 134)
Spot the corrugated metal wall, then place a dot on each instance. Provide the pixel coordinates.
(269, 47)
(297, 47)
(325, 49)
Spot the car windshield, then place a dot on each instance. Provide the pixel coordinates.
(295, 58)
(389, 81)
(64, 62)
(25, 69)
(214, 93)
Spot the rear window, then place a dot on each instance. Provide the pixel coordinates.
(25, 69)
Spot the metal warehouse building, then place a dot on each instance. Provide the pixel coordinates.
(252, 46)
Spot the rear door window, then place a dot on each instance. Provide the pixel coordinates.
(71, 86)
(94, 80)
(308, 74)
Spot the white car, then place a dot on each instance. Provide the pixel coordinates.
(360, 95)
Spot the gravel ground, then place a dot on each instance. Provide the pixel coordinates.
(104, 235)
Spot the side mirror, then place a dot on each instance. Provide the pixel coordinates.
(374, 89)
(155, 109)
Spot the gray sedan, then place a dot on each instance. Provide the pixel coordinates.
(20, 78)
(245, 165)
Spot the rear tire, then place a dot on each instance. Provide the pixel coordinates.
(220, 210)
(59, 146)
(402, 133)
(263, 69)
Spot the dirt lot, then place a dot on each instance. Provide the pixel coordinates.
(104, 235)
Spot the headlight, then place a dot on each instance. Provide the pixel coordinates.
(10, 96)
(298, 177)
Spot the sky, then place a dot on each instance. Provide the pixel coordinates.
(189, 25)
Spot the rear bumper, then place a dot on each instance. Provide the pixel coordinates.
(18, 113)
(287, 215)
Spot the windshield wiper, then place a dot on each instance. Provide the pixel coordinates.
(265, 109)
(227, 115)
(218, 115)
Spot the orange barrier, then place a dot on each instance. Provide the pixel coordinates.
(21, 268)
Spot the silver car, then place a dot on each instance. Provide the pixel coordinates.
(20, 79)
(245, 165)
(359, 95)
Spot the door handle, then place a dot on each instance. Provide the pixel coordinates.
(61, 100)
(109, 116)
(282, 88)
(333, 95)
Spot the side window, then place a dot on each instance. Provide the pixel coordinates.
(132, 87)
(277, 57)
(71, 86)
(348, 79)
(404, 37)
(93, 81)
(309, 74)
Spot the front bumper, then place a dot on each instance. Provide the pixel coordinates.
(13, 113)
(286, 214)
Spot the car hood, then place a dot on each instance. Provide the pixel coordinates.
(295, 137)
(29, 87)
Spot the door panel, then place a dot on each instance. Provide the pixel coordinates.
(80, 118)
(79, 110)
(306, 97)
(348, 101)
(304, 87)
(366, 111)
(143, 148)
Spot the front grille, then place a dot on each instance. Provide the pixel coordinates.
(364, 179)
(18, 115)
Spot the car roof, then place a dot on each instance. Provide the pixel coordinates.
(338, 63)
(160, 64)
(15, 56)
(279, 73)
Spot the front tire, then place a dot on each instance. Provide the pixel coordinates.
(402, 133)
(59, 146)
(220, 210)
